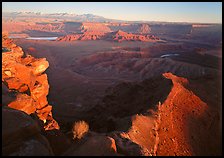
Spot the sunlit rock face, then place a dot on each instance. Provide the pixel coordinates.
(25, 78)
(180, 126)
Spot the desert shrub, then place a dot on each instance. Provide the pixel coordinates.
(79, 129)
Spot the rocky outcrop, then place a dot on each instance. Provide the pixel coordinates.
(70, 37)
(87, 35)
(182, 125)
(21, 135)
(126, 146)
(124, 36)
(58, 141)
(23, 76)
(118, 36)
(95, 27)
(178, 122)
(93, 145)
(144, 29)
(87, 31)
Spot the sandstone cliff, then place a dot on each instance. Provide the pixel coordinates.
(182, 125)
(24, 77)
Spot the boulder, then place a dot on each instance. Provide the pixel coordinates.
(21, 135)
(125, 146)
(39, 66)
(19, 75)
(44, 112)
(7, 97)
(58, 141)
(24, 103)
(96, 145)
(40, 91)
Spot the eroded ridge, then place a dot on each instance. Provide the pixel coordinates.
(180, 126)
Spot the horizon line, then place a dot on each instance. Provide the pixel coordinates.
(114, 19)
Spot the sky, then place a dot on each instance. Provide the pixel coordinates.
(201, 12)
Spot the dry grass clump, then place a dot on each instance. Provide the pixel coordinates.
(79, 129)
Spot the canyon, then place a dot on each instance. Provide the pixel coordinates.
(110, 88)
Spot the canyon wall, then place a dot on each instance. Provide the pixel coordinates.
(23, 77)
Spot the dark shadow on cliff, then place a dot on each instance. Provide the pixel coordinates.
(121, 102)
(205, 132)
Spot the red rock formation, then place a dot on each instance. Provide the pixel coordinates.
(92, 35)
(95, 27)
(124, 36)
(70, 37)
(86, 35)
(25, 75)
(182, 125)
(111, 36)
(144, 29)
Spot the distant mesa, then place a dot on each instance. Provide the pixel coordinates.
(144, 29)
(118, 36)
(124, 36)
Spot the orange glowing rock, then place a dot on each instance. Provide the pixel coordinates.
(24, 75)
(24, 103)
